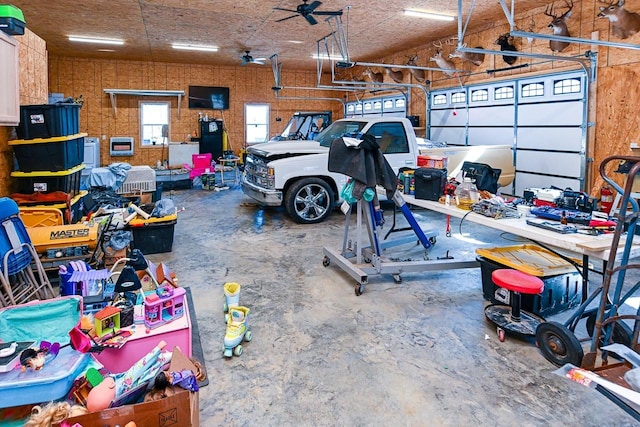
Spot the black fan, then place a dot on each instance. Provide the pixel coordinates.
(248, 59)
(307, 11)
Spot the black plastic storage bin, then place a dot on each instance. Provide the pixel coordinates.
(153, 238)
(49, 154)
(429, 183)
(153, 235)
(561, 292)
(11, 20)
(67, 181)
(48, 120)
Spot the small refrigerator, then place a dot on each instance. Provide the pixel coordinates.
(211, 138)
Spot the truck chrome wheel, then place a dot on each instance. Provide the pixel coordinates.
(309, 201)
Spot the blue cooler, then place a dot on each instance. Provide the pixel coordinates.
(13, 238)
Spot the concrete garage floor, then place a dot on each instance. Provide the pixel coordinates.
(419, 353)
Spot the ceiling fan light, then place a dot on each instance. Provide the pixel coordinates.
(202, 48)
(83, 39)
(429, 15)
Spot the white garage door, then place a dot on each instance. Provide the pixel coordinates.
(544, 118)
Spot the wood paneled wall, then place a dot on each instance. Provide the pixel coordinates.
(33, 90)
(249, 84)
(614, 100)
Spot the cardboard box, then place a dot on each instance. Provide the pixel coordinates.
(181, 409)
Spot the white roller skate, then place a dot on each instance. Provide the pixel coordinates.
(231, 297)
(237, 330)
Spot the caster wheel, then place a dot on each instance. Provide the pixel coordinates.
(248, 336)
(225, 307)
(226, 352)
(238, 350)
(558, 344)
(326, 261)
(359, 289)
(622, 333)
(501, 335)
(397, 278)
(226, 318)
(433, 240)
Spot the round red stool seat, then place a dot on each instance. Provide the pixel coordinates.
(517, 281)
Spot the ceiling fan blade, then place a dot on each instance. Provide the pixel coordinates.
(256, 61)
(313, 5)
(260, 59)
(310, 19)
(286, 10)
(332, 13)
(284, 19)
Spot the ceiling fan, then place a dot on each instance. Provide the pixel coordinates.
(307, 11)
(248, 59)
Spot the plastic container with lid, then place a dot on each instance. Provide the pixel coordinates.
(466, 194)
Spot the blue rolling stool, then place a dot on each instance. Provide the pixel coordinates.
(511, 318)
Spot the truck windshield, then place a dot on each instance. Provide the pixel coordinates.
(298, 125)
(338, 129)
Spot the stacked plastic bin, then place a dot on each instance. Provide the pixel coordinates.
(49, 156)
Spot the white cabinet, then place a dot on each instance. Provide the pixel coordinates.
(9, 81)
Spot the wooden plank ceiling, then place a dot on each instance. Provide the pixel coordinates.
(374, 29)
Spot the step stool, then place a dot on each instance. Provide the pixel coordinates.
(511, 318)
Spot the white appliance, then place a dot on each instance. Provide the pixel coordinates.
(91, 154)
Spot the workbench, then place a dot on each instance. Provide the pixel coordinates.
(589, 247)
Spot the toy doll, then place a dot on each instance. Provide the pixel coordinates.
(113, 386)
(167, 383)
(53, 413)
(36, 359)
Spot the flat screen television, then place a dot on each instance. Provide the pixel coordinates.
(209, 97)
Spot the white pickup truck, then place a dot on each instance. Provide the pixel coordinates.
(295, 174)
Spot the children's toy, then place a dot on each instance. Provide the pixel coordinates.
(231, 297)
(237, 330)
(107, 321)
(163, 306)
(36, 359)
(10, 353)
(114, 386)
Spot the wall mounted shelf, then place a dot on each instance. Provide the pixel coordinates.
(141, 92)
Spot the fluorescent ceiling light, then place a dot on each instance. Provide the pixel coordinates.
(429, 15)
(82, 39)
(195, 47)
(295, 41)
(324, 56)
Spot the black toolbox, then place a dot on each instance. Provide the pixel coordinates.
(429, 183)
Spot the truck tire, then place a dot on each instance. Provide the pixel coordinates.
(309, 201)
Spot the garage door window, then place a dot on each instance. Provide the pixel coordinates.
(504, 92)
(561, 87)
(532, 89)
